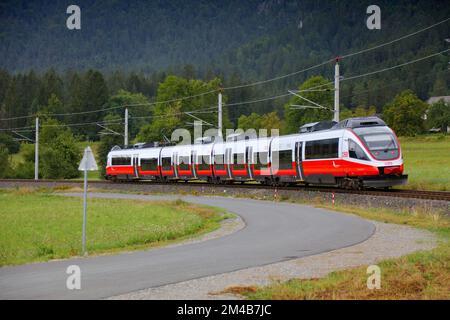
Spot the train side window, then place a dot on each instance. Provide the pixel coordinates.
(121, 161)
(149, 164)
(260, 160)
(183, 162)
(219, 162)
(238, 161)
(322, 149)
(203, 162)
(166, 163)
(355, 151)
(284, 158)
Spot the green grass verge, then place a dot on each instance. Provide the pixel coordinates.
(421, 275)
(39, 226)
(427, 162)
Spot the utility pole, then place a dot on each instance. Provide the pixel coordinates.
(36, 151)
(126, 128)
(336, 90)
(219, 120)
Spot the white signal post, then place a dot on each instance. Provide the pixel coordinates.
(87, 164)
(336, 90)
(36, 152)
(219, 120)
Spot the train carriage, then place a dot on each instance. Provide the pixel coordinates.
(258, 159)
(167, 163)
(202, 154)
(120, 165)
(237, 159)
(220, 166)
(184, 163)
(283, 165)
(148, 164)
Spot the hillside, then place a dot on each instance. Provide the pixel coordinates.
(237, 41)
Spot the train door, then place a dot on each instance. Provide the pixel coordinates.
(193, 162)
(228, 161)
(175, 164)
(298, 159)
(249, 151)
(136, 165)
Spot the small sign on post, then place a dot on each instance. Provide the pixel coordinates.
(87, 164)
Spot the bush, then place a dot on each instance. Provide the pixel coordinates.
(60, 158)
(4, 161)
(405, 114)
(107, 142)
(439, 115)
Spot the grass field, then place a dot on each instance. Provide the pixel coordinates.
(421, 275)
(39, 226)
(427, 162)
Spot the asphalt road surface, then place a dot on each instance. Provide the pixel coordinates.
(274, 232)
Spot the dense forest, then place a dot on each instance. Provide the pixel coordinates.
(125, 51)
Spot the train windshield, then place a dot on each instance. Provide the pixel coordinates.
(380, 141)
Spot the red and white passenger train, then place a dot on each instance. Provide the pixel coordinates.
(354, 153)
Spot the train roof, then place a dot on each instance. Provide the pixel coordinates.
(360, 122)
(313, 129)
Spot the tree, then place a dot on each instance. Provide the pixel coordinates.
(9, 143)
(107, 141)
(4, 161)
(405, 114)
(54, 105)
(60, 154)
(271, 121)
(88, 93)
(252, 121)
(138, 107)
(51, 85)
(297, 117)
(359, 111)
(255, 121)
(440, 87)
(438, 115)
(168, 116)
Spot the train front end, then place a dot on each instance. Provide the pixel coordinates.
(374, 146)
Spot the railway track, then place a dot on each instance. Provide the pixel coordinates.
(398, 193)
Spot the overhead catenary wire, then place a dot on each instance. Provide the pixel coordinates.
(341, 57)
(395, 67)
(105, 122)
(258, 100)
(381, 70)
(345, 79)
(391, 84)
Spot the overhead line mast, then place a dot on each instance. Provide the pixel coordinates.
(219, 117)
(336, 90)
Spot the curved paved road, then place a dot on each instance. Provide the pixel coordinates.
(274, 232)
